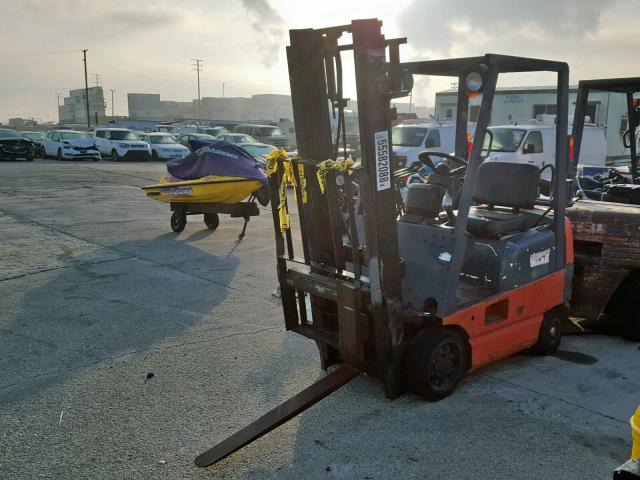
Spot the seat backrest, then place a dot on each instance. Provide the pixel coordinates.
(507, 184)
(424, 202)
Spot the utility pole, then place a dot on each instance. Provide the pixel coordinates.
(86, 87)
(198, 68)
(222, 89)
(112, 92)
(97, 75)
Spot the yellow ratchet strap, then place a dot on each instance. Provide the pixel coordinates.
(324, 167)
(288, 178)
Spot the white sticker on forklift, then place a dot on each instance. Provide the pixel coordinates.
(383, 165)
(539, 258)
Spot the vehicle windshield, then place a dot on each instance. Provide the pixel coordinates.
(163, 139)
(72, 135)
(270, 131)
(216, 131)
(9, 134)
(123, 135)
(203, 136)
(504, 139)
(34, 136)
(408, 136)
(242, 138)
(258, 150)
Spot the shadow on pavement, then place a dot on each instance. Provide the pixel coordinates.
(63, 322)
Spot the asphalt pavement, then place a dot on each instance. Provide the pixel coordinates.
(127, 349)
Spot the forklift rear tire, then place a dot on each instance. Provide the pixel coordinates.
(178, 222)
(435, 363)
(211, 220)
(550, 332)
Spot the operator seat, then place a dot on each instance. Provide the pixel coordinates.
(502, 184)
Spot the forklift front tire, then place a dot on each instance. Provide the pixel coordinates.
(550, 332)
(435, 363)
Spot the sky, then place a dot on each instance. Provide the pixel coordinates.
(147, 46)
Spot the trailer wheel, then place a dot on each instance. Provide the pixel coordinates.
(178, 221)
(435, 363)
(211, 220)
(550, 332)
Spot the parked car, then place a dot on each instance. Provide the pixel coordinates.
(70, 145)
(257, 150)
(184, 139)
(36, 137)
(164, 146)
(14, 146)
(535, 144)
(121, 144)
(410, 139)
(214, 131)
(237, 138)
(264, 133)
(167, 129)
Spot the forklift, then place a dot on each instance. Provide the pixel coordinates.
(471, 267)
(606, 226)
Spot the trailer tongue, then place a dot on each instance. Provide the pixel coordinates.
(467, 270)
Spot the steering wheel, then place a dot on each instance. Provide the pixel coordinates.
(443, 175)
(425, 157)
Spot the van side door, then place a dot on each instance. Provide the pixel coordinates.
(432, 140)
(533, 150)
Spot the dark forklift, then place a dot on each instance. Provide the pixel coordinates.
(606, 227)
(471, 268)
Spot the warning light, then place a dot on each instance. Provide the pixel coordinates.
(571, 149)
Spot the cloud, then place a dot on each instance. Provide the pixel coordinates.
(440, 27)
(104, 18)
(270, 28)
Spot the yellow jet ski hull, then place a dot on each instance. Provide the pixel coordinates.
(210, 189)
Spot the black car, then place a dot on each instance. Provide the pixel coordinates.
(203, 137)
(14, 146)
(36, 137)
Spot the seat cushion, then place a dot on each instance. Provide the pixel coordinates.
(494, 223)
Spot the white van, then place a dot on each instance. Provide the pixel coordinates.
(410, 139)
(536, 144)
(121, 144)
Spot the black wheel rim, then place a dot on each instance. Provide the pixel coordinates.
(553, 332)
(445, 367)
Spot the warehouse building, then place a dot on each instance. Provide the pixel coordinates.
(74, 107)
(265, 107)
(522, 104)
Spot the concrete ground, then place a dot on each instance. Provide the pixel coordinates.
(127, 349)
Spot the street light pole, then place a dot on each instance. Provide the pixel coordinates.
(198, 67)
(112, 109)
(86, 87)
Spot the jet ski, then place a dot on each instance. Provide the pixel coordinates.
(214, 178)
(215, 172)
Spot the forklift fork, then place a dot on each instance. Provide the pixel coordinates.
(279, 415)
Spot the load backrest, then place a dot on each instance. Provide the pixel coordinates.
(507, 184)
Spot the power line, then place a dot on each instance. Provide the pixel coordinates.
(34, 63)
(13, 54)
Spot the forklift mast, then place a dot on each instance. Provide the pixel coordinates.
(626, 86)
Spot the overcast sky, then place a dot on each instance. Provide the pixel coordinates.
(147, 45)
